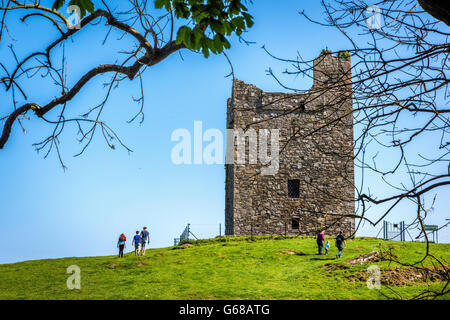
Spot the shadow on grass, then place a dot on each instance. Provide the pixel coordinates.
(296, 253)
(324, 259)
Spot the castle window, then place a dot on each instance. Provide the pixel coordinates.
(294, 188)
(295, 224)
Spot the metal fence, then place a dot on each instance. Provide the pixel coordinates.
(205, 231)
(397, 231)
(199, 231)
(394, 231)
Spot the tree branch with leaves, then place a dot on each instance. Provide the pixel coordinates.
(157, 30)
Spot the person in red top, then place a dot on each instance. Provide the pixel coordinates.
(320, 241)
(121, 244)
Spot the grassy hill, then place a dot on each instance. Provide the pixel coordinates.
(231, 268)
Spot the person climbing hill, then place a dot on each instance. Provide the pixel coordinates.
(145, 238)
(121, 244)
(136, 242)
(320, 240)
(340, 242)
(327, 246)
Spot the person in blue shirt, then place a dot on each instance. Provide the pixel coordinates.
(136, 242)
(327, 246)
(145, 238)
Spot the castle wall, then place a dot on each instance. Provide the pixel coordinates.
(316, 147)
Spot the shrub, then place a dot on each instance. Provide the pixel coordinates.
(344, 55)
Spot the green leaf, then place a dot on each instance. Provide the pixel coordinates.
(248, 19)
(199, 16)
(218, 43)
(181, 10)
(226, 44)
(198, 36)
(228, 28)
(184, 36)
(57, 4)
(219, 17)
(161, 3)
(84, 5)
(205, 51)
(218, 27)
(180, 35)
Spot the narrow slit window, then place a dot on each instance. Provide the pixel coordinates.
(295, 224)
(294, 188)
(292, 132)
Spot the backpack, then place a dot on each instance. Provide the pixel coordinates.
(122, 237)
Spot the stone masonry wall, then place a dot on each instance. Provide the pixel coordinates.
(316, 147)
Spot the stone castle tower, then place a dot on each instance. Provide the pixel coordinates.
(313, 188)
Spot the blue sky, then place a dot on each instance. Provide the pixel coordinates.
(47, 212)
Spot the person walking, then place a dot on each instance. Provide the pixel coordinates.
(340, 242)
(145, 238)
(327, 246)
(121, 244)
(320, 240)
(136, 242)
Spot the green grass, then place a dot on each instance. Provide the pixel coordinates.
(235, 268)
